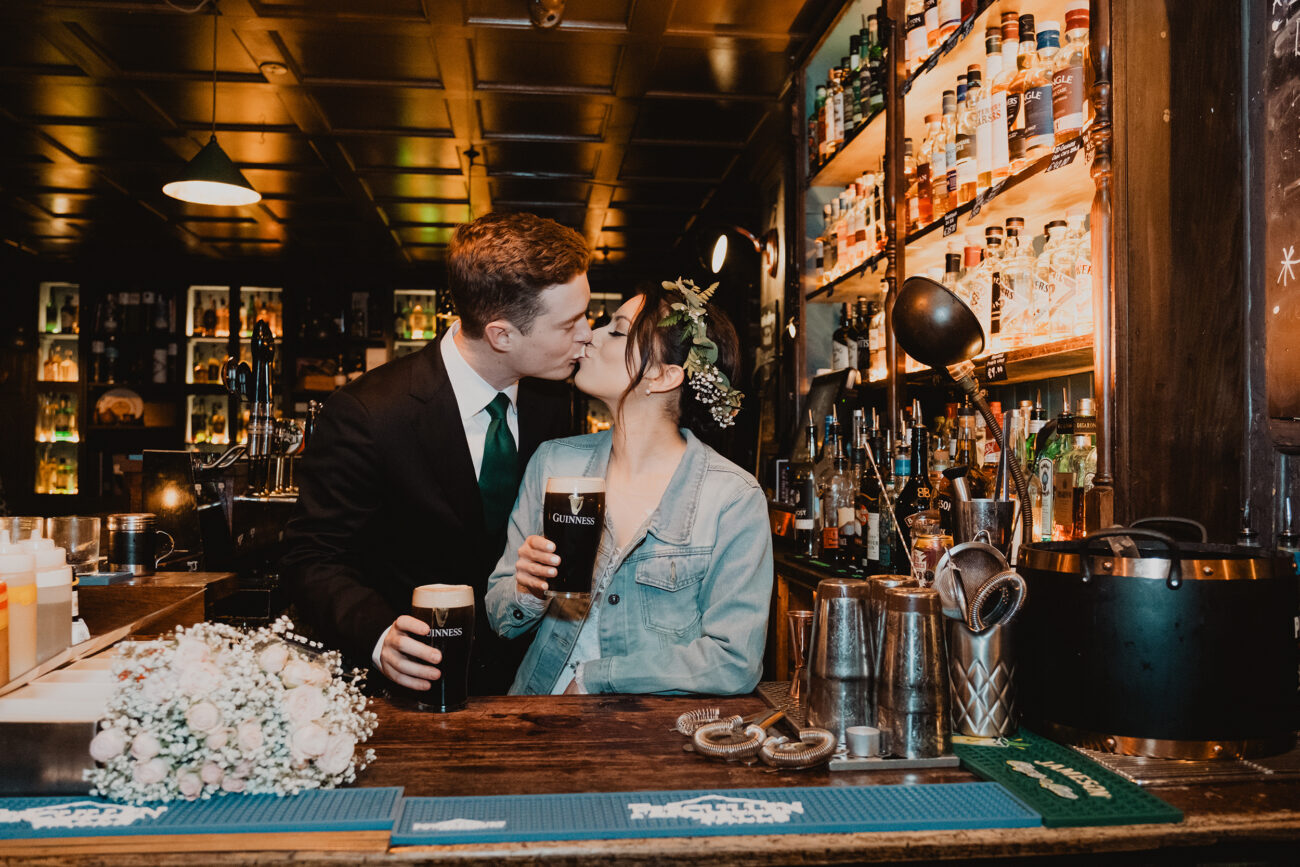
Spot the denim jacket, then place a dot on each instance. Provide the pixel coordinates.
(683, 607)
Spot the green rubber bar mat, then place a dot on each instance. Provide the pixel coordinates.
(1066, 788)
(314, 810)
(706, 813)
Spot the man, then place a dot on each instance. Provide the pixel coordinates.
(413, 469)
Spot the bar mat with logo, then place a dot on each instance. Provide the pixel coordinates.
(707, 813)
(51, 821)
(1066, 788)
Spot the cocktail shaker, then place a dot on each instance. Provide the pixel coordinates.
(982, 667)
(912, 688)
(878, 584)
(839, 693)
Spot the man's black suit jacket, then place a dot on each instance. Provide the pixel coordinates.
(388, 500)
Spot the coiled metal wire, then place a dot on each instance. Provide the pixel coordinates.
(814, 747)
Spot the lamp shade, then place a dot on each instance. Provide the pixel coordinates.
(933, 325)
(211, 178)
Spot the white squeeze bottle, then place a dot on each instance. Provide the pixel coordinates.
(53, 599)
(17, 570)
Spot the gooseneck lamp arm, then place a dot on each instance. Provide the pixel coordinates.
(937, 328)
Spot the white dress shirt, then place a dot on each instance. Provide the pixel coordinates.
(473, 395)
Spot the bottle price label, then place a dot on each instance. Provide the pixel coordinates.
(1063, 153)
(949, 223)
(996, 370)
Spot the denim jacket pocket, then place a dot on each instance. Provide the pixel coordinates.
(669, 590)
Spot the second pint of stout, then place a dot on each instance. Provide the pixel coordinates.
(449, 611)
(573, 516)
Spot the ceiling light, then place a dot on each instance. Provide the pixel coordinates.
(211, 178)
(719, 256)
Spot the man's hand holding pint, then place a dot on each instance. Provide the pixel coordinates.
(405, 658)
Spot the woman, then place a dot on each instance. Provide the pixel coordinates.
(683, 574)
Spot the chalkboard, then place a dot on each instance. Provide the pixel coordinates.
(1281, 157)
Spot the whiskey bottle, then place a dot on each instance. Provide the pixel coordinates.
(217, 423)
(837, 508)
(1040, 132)
(910, 184)
(949, 18)
(843, 345)
(853, 91)
(967, 136)
(1069, 74)
(199, 423)
(950, 148)
(914, 28)
(931, 26)
(803, 493)
(994, 161)
(917, 494)
(1017, 138)
(937, 160)
(1058, 440)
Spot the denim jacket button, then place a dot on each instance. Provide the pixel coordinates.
(519, 615)
(613, 599)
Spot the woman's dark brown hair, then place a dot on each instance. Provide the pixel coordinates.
(649, 344)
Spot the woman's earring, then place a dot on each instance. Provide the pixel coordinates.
(647, 392)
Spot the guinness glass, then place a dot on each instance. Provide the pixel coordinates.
(573, 516)
(449, 611)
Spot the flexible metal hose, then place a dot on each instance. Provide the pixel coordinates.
(813, 747)
(725, 740)
(688, 722)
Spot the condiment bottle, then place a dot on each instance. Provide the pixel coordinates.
(17, 570)
(4, 633)
(53, 600)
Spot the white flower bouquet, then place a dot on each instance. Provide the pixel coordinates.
(216, 709)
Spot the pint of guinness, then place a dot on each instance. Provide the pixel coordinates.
(449, 611)
(573, 516)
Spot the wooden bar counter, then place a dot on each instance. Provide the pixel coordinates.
(537, 745)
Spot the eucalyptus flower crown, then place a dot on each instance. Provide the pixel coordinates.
(711, 386)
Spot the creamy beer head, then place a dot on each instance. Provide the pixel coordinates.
(574, 485)
(442, 596)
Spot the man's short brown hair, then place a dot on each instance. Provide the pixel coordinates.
(498, 265)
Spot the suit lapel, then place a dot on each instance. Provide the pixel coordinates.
(442, 436)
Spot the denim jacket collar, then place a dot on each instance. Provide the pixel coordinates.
(672, 525)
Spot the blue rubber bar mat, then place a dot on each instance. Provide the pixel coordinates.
(708, 813)
(316, 810)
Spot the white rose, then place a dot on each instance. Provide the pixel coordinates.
(317, 675)
(304, 704)
(243, 769)
(338, 754)
(190, 784)
(199, 679)
(108, 744)
(211, 773)
(249, 736)
(297, 673)
(308, 742)
(145, 746)
(150, 772)
(189, 651)
(217, 739)
(203, 717)
(233, 784)
(273, 657)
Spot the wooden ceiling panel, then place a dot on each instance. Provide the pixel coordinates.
(425, 212)
(402, 152)
(189, 103)
(135, 143)
(550, 61)
(572, 216)
(697, 120)
(392, 185)
(254, 148)
(50, 96)
(424, 234)
(295, 183)
(235, 231)
(728, 70)
(546, 191)
(541, 159)
(578, 14)
(752, 18)
(674, 195)
(663, 161)
(167, 43)
(24, 47)
(58, 204)
(541, 118)
(345, 10)
(385, 109)
(353, 54)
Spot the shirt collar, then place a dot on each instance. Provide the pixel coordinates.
(473, 392)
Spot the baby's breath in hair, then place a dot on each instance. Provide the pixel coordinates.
(711, 386)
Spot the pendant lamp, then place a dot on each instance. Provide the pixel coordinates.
(211, 178)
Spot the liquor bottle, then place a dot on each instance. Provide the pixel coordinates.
(419, 321)
(951, 271)
(1054, 281)
(917, 494)
(214, 369)
(949, 127)
(826, 454)
(134, 318)
(1078, 249)
(1070, 83)
(803, 492)
(68, 316)
(217, 423)
(937, 156)
(1072, 473)
(52, 315)
(210, 318)
(924, 180)
(862, 337)
(981, 287)
(1017, 285)
(1017, 138)
(876, 67)
(868, 498)
(1040, 132)
(853, 91)
(96, 361)
(63, 420)
(68, 366)
(828, 122)
(877, 360)
(111, 360)
(931, 26)
(949, 18)
(914, 28)
(968, 136)
(909, 182)
(843, 346)
(993, 115)
(835, 96)
(837, 509)
(199, 423)
(223, 320)
(1059, 440)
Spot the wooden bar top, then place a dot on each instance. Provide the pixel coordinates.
(516, 745)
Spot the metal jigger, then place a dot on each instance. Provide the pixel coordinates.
(800, 631)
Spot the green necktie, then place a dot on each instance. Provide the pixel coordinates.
(498, 479)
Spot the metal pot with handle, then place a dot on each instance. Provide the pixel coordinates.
(1134, 643)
